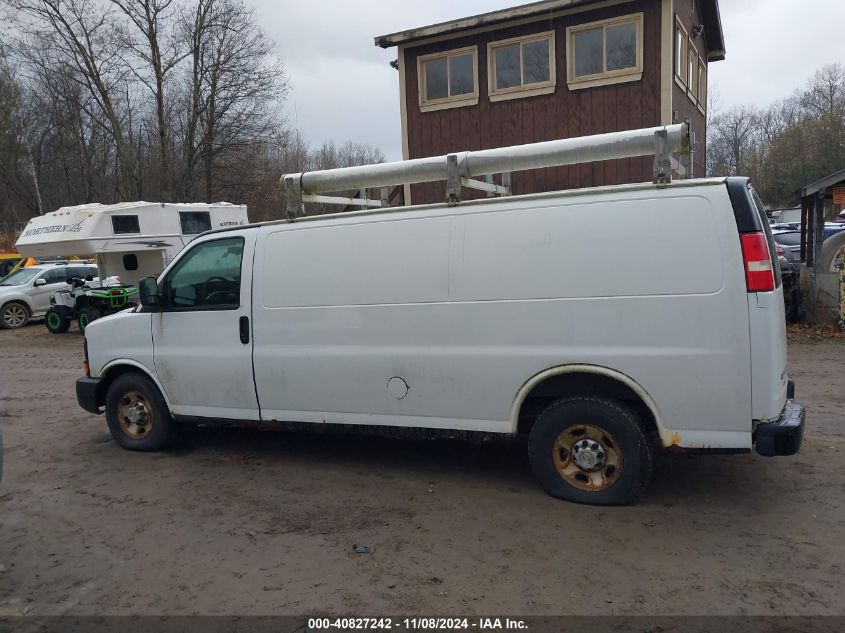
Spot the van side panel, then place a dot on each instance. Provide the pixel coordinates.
(623, 248)
(465, 305)
(768, 354)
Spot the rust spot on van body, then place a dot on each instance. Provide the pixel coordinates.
(674, 444)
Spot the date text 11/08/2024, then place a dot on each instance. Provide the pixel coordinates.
(416, 624)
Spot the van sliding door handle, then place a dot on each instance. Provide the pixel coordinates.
(244, 329)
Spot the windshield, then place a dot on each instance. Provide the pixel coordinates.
(19, 277)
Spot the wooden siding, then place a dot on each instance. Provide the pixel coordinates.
(683, 107)
(563, 114)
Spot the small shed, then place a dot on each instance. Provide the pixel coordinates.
(551, 70)
(819, 254)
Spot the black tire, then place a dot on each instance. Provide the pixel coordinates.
(56, 322)
(14, 315)
(157, 433)
(558, 436)
(86, 315)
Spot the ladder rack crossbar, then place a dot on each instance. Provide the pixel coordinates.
(462, 167)
(352, 202)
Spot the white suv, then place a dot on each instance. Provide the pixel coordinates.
(25, 294)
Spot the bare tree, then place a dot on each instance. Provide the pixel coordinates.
(195, 26)
(825, 93)
(240, 82)
(732, 136)
(108, 100)
(160, 50)
(87, 38)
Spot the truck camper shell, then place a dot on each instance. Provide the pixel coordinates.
(132, 240)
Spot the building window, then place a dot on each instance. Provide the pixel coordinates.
(448, 80)
(681, 53)
(606, 52)
(123, 224)
(692, 76)
(690, 67)
(521, 66)
(194, 222)
(702, 84)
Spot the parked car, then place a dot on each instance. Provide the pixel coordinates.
(790, 240)
(790, 270)
(834, 240)
(25, 294)
(491, 318)
(832, 228)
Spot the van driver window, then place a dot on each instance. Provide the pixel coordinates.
(207, 278)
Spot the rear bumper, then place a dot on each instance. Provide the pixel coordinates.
(784, 435)
(90, 394)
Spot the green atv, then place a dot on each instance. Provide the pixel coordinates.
(86, 304)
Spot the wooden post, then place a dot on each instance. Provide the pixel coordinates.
(806, 235)
(840, 264)
(818, 222)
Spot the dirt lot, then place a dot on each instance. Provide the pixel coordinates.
(252, 522)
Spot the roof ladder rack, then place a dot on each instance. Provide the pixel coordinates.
(462, 169)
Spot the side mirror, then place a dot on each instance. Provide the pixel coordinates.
(40, 282)
(148, 293)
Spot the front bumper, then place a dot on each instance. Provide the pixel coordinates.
(90, 394)
(784, 435)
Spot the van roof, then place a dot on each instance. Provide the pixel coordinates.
(677, 184)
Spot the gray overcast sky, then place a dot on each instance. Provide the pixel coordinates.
(343, 88)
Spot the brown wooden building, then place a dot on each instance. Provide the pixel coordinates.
(556, 69)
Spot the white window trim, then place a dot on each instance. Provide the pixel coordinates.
(695, 58)
(703, 72)
(679, 72)
(604, 78)
(524, 90)
(447, 102)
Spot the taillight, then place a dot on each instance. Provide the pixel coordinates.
(779, 250)
(759, 276)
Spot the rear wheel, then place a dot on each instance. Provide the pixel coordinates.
(590, 450)
(56, 322)
(137, 415)
(13, 315)
(86, 315)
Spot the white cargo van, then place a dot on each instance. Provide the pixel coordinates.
(603, 324)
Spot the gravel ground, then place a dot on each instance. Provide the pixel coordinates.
(256, 522)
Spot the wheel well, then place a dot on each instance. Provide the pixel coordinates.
(580, 384)
(20, 302)
(112, 374)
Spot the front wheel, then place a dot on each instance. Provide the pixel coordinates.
(590, 450)
(137, 415)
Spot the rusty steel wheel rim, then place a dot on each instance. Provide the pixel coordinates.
(135, 415)
(587, 457)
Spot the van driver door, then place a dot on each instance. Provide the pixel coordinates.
(202, 338)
